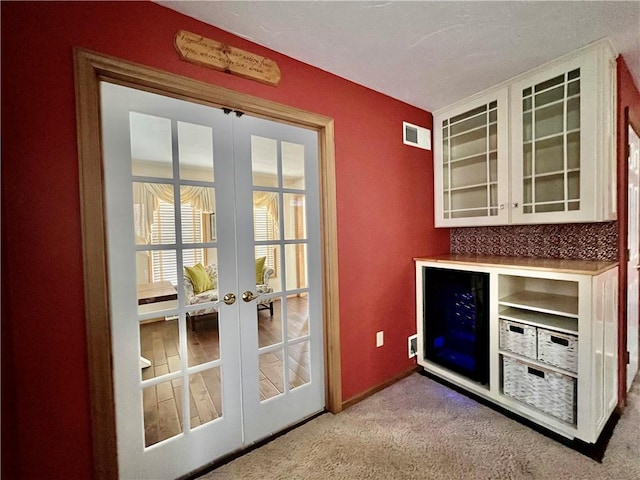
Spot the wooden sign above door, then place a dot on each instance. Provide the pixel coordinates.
(225, 58)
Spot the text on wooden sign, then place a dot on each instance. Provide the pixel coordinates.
(220, 56)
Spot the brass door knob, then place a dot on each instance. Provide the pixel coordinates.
(248, 296)
(229, 299)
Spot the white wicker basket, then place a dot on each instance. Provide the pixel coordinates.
(557, 349)
(549, 392)
(518, 338)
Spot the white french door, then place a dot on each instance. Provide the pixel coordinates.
(633, 263)
(198, 375)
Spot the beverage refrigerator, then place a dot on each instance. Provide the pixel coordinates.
(456, 321)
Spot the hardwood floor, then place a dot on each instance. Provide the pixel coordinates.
(162, 403)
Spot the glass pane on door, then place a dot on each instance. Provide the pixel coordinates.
(293, 165)
(296, 266)
(203, 339)
(197, 208)
(270, 326)
(299, 365)
(297, 316)
(264, 160)
(195, 152)
(269, 272)
(156, 281)
(159, 347)
(295, 223)
(154, 213)
(205, 396)
(151, 154)
(161, 404)
(266, 216)
(271, 374)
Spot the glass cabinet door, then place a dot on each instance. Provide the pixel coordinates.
(471, 149)
(551, 144)
(557, 150)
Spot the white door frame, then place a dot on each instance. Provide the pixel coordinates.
(90, 69)
(632, 259)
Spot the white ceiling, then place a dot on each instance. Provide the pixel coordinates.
(426, 53)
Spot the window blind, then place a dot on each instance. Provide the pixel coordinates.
(163, 232)
(264, 230)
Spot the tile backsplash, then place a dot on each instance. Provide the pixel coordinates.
(586, 241)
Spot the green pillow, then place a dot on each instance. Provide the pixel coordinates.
(260, 270)
(199, 278)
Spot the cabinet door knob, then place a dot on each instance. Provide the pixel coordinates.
(502, 206)
(516, 205)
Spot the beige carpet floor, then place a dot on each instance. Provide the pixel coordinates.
(419, 429)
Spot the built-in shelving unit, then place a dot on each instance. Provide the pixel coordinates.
(539, 365)
(552, 340)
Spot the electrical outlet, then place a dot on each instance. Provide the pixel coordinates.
(379, 339)
(413, 345)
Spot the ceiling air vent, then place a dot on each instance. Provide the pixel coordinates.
(416, 136)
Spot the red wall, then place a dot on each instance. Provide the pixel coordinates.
(384, 196)
(628, 97)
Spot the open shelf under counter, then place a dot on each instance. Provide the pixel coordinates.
(539, 319)
(549, 303)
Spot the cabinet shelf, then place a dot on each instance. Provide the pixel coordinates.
(561, 305)
(470, 187)
(471, 130)
(471, 209)
(540, 319)
(567, 98)
(551, 174)
(481, 157)
(538, 364)
(471, 115)
(553, 136)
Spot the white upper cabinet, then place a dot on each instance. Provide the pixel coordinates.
(472, 162)
(539, 148)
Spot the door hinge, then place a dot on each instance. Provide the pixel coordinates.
(627, 356)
